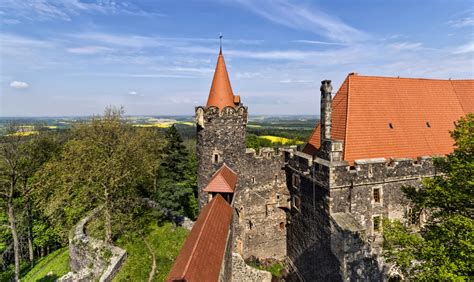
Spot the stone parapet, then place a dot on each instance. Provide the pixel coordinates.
(91, 259)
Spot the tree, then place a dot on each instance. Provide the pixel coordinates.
(106, 163)
(11, 152)
(444, 249)
(176, 186)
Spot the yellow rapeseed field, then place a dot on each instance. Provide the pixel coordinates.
(277, 139)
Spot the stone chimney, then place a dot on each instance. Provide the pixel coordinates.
(326, 110)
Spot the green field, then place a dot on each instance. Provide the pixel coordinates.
(49, 268)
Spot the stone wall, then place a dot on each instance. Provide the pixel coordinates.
(241, 272)
(331, 187)
(260, 201)
(309, 225)
(90, 258)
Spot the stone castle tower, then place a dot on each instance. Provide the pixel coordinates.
(221, 127)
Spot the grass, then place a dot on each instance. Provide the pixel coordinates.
(50, 267)
(277, 139)
(166, 244)
(275, 269)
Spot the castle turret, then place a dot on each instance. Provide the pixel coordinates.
(221, 128)
(326, 109)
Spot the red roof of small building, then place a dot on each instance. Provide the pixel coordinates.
(223, 181)
(202, 254)
(421, 113)
(221, 94)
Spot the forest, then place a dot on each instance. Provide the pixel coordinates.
(50, 180)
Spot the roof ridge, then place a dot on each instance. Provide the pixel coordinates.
(193, 252)
(347, 117)
(411, 78)
(224, 164)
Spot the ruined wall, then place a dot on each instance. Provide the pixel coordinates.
(241, 272)
(92, 259)
(350, 246)
(260, 202)
(221, 135)
(309, 226)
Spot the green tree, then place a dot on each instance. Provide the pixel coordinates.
(11, 153)
(176, 186)
(106, 163)
(444, 249)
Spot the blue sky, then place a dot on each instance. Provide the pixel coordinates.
(75, 57)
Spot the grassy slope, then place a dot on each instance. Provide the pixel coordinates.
(166, 244)
(56, 263)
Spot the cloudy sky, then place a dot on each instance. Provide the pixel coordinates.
(74, 57)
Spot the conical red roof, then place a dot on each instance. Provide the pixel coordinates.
(221, 94)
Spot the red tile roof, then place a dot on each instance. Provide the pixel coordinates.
(421, 112)
(223, 181)
(221, 94)
(202, 254)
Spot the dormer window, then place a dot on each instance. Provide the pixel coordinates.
(428, 125)
(390, 125)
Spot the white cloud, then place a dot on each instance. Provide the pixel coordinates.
(66, 9)
(405, 46)
(133, 93)
(89, 50)
(463, 22)
(464, 49)
(288, 81)
(240, 75)
(19, 84)
(306, 18)
(318, 42)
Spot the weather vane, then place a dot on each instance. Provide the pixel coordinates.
(220, 42)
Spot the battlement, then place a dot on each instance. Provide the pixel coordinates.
(210, 114)
(364, 170)
(264, 153)
(383, 170)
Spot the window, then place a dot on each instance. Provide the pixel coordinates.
(276, 178)
(297, 203)
(296, 180)
(215, 158)
(282, 226)
(377, 221)
(250, 225)
(253, 179)
(376, 194)
(412, 217)
(428, 125)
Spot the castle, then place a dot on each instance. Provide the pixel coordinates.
(319, 210)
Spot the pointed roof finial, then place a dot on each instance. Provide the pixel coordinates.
(221, 94)
(220, 43)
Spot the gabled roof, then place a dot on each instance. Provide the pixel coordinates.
(421, 113)
(221, 94)
(202, 254)
(223, 181)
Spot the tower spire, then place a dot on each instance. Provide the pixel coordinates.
(221, 94)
